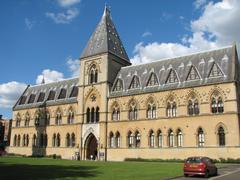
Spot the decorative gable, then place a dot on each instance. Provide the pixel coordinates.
(192, 74)
(215, 71)
(118, 85)
(152, 81)
(172, 77)
(135, 83)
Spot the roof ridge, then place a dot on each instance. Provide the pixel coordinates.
(174, 57)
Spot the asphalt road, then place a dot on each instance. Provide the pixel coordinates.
(227, 172)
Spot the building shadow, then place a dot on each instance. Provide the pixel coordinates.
(27, 171)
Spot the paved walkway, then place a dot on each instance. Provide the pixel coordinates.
(229, 171)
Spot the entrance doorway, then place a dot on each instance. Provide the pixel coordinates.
(91, 146)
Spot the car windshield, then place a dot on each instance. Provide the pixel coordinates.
(194, 160)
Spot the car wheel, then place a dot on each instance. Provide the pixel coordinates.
(206, 174)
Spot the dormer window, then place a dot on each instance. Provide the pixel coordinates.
(215, 71)
(62, 93)
(118, 86)
(23, 100)
(31, 98)
(74, 92)
(172, 77)
(41, 97)
(93, 74)
(51, 95)
(152, 81)
(193, 74)
(135, 83)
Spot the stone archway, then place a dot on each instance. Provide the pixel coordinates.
(91, 147)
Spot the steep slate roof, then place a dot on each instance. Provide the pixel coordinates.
(225, 58)
(68, 84)
(105, 39)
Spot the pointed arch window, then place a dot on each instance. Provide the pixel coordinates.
(221, 136)
(58, 119)
(111, 140)
(152, 81)
(70, 118)
(118, 86)
(172, 77)
(93, 74)
(47, 120)
(117, 140)
(217, 105)
(193, 74)
(88, 114)
(179, 138)
(34, 141)
(151, 111)
(68, 140)
(54, 140)
(135, 83)
(215, 71)
(200, 137)
(171, 109)
(116, 113)
(137, 139)
(133, 111)
(58, 141)
(62, 94)
(193, 107)
(170, 138)
(15, 140)
(130, 139)
(160, 138)
(151, 139)
(73, 140)
(97, 114)
(27, 120)
(18, 121)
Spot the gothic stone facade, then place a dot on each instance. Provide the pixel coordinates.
(173, 108)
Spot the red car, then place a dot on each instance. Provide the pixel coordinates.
(203, 166)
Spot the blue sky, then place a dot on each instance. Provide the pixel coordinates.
(47, 37)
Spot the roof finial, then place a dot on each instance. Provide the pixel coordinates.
(43, 80)
(106, 9)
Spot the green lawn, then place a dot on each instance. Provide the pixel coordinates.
(43, 168)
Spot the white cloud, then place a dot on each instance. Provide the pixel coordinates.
(29, 23)
(49, 76)
(67, 3)
(199, 3)
(147, 33)
(218, 26)
(10, 92)
(74, 66)
(64, 17)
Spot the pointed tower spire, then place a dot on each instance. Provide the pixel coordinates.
(105, 39)
(43, 80)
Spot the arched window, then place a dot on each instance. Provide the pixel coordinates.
(118, 86)
(15, 140)
(70, 118)
(92, 115)
(116, 113)
(151, 138)
(24, 140)
(217, 105)
(19, 140)
(160, 138)
(67, 140)
(193, 107)
(93, 74)
(47, 118)
(54, 138)
(27, 120)
(170, 138)
(151, 111)
(58, 120)
(137, 139)
(135, 83)
(97, 114)
(117, 140)
(88, 115)
(152, 81)
(111, 140)
(171, 109)
(18, 121)
(34, 140)
(130, 139)
(200, 137)
(133, 111)
(221, 136)
(27, 140)
(73, 140)
(37, 119)
(179, 138)
(58, 143)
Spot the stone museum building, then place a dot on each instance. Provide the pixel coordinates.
(171, 108)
